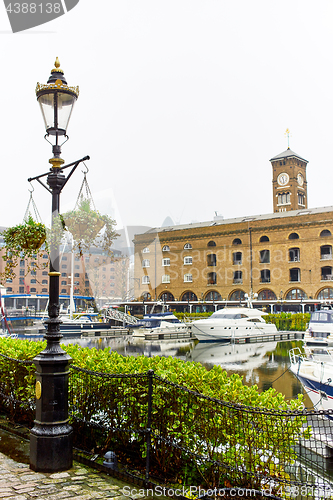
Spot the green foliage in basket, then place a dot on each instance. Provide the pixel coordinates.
(21, 242)
(86, 225)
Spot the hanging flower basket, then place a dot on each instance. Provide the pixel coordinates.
(86, 225)
(22, 241)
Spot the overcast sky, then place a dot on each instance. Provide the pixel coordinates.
(182, 104)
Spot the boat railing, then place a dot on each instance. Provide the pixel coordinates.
(296, 355)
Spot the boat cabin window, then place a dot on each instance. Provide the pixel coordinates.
(321, 317)
(219, 315)
(254, 320)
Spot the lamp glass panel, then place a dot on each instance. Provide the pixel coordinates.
(46, 102)
(65, 107)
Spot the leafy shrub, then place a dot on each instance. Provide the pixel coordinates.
(289, 321)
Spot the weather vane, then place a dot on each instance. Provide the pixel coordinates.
(287, 134)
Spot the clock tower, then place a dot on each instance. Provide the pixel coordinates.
(289, 182)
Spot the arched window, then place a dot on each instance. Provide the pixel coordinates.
(326, 273)
(212, 295)
(238, 277)
(166, 297)
(264, 238)
(146, 296)
(284, 198)
(325, 233)
(211, 259)
(294, 255)
(265, 276)
(145, 263)
(301, 199)
(326, 293)
(326, 252)
(237, 295)
(145, 280)
(189, 296)
(166, 248)
(266, 295)
(33, 289)
(264, 257)
(187, 246)
(211, 278)
(145, 250)
(237, 241)
(296, 294)
(211, 244)
(293, 236)
(44, 290)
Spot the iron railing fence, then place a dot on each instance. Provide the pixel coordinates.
(175, 435)
(171, 435)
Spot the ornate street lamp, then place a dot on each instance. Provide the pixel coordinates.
(51, 448)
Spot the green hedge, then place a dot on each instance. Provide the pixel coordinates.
(289, 321)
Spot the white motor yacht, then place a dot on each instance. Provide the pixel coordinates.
(320, 329)
(230, 323)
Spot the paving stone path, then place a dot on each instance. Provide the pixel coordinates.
(18, 482)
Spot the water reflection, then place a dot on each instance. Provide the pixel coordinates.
(263, 363)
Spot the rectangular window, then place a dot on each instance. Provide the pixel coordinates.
(145, 263)
(187, 261)
(166, 278)
(188, 278)
(145, 280)
(32, 281)
(21, 289)
(165, 262)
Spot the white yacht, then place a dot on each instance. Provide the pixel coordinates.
(314, 369)
(230, 323)
(320, 329)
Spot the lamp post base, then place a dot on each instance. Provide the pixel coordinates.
(53, 452)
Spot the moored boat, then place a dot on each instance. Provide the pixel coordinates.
(320, 329)
(314, 368)
(230, 323)
(159, 323)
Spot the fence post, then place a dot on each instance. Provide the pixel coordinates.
(148, 428)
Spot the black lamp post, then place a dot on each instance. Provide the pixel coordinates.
(51, 448)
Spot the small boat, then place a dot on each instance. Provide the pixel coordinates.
(159, 323)
(314, 368)
(229, 323)
(320, 329)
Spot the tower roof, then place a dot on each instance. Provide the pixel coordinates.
(288, 153)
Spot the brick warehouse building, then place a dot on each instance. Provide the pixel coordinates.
(280, 258)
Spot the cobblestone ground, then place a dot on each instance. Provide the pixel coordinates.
(18, 482)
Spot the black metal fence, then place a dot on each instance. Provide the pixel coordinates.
(170, 435)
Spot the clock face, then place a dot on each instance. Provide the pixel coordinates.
(300, 179)
(283, 179)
